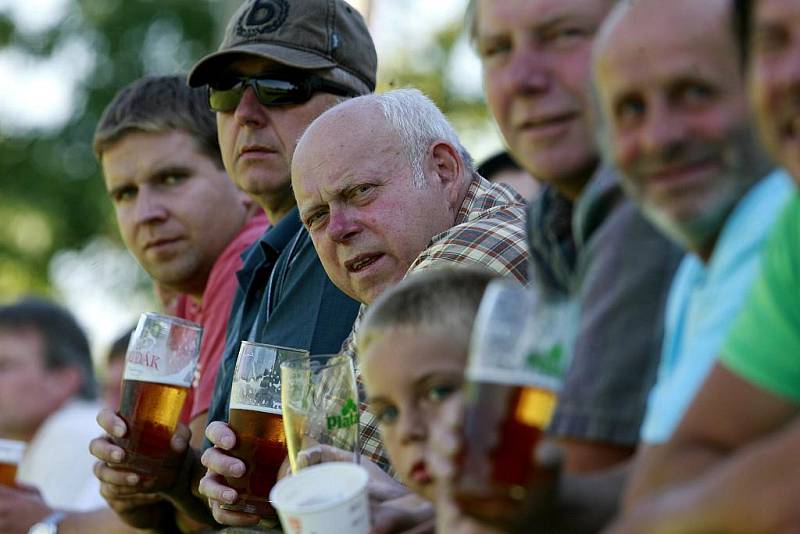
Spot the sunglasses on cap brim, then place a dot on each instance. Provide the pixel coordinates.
(224, 95)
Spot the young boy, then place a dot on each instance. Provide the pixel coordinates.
(413, 347)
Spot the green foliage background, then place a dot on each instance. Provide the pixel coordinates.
(51, 193)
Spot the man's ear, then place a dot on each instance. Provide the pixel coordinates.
(445, 163)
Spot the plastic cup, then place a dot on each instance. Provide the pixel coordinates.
(329, 498)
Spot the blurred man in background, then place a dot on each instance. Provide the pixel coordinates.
(601, 272)
(681, 134)
(731, 465)
(47, 399)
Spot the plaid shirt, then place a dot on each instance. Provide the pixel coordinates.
(489, 232)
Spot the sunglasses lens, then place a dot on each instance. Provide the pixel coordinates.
(278, 92)
(224, 99)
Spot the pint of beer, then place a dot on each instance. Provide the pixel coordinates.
(11, 453)
(159, 369)
(510, 397)
(255, 416)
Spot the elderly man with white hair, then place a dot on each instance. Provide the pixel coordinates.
(385, 188)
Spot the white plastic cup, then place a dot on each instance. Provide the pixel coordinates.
(328, 498)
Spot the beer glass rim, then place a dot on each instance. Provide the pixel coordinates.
(12, 450)
(332, 360)
(278, 347)
(172, 319)
(13, 443)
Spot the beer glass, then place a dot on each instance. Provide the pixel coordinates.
(159, 369)
(254, 414)
(320, 405)
(510, 397)
(11, 453)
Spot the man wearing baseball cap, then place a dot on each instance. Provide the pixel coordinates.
(280, 65)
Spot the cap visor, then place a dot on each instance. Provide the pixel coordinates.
(214, 64)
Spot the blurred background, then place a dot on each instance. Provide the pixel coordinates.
(61, 61)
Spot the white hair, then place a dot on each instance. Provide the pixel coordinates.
(419, 123)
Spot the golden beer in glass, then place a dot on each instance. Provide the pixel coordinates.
(159, 370)
(11, 453)
(320, 405)
(511, 393)
(255, 416)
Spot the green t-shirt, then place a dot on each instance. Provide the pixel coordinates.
(764, 344)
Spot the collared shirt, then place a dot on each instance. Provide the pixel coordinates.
(603, 259)
(489, 232)
(213, 311)
(284, 298)
(705, 299)
(763, 346)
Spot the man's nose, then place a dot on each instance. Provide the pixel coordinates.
(342, 225)
(250, 112)
(149, 208)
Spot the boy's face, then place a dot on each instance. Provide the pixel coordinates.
(409, 372)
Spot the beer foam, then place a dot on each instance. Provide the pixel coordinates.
(512, 377)
(253, 407)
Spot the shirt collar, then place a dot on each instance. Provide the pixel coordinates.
(276, 239)
(268, 248)
(483, 195)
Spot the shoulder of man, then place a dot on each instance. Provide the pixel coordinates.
(492, 235)
(233, 256)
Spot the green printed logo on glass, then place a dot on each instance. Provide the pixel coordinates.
(348, 416)
(548, 362)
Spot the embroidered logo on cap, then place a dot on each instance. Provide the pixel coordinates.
(265, 16)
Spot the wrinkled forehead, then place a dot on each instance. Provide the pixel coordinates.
(331, 140)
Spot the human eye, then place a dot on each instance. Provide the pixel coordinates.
(385, 414)
(629, 110)
(494, 48)
(172, 178)
(361, 192)
(769, 38)
(566, 35)
(123, 194)
(316, 220)
(439, 392)
(694, 94)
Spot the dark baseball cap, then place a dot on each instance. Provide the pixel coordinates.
(303, 34)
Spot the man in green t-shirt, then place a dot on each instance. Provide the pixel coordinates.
(731, 465)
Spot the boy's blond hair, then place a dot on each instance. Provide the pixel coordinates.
(443, 300)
